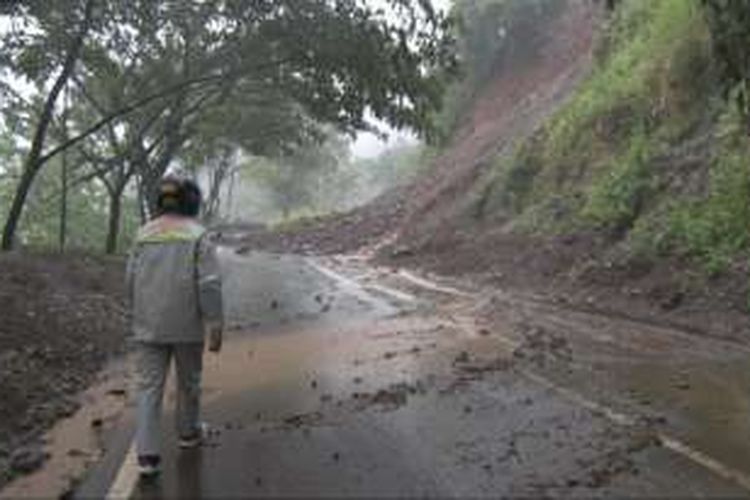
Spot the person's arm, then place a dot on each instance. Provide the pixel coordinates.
(210, 293)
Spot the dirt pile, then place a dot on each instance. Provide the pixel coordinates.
(63, 318)
(342, 233)
(509, 108)
(427, 225)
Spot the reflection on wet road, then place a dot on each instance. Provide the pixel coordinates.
(332, 388)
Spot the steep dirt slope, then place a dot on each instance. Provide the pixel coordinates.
(585, 262)
(430, 224)
(509, 108)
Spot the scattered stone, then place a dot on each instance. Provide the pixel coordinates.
(468, 409)
(258, 481)
(336, 457)
(484, 332)
(673, 302)
(97, 423)
(77, 453)
(357, 380)
(274, 304)
(119, 392)
(27, 459)
(389, 355)
(314, 384)
(402, 251)
(303, 420)
(463, 357)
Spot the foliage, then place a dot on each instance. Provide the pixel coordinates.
(154, 84)
(715, 227)
(614, 157)
(729, 22)
(321, 180)
(635, 82)
(590, 163)
(616, 200)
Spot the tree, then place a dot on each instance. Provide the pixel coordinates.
(287, 65)
(295, 180)
(33, 162)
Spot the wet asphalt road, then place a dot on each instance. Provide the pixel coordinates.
(326, 388)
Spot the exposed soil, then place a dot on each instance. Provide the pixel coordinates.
(582, 271)
(63, 319)
(509, 108)
(427, 225)
(343, 233)
(506, 110)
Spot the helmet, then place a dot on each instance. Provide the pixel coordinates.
(179, 196)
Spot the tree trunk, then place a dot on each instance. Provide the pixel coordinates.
(141, 200)
(64, 179)
(229, 209)
(115, 214)
(64, 202)
(33, 165)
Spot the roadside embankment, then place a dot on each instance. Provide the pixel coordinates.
(62, 319)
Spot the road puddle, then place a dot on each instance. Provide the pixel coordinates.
(706, 404)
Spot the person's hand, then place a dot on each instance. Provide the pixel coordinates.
(215, 338)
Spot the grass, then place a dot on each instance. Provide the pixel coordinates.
(607, 159)
(715, 228)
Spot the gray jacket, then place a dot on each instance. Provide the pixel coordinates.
(174, 282)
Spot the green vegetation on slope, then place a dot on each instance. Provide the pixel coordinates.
(646, 151)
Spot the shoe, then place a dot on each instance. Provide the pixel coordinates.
(195, 440)
(149, 465)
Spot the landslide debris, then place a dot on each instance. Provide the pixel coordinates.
(62, 319)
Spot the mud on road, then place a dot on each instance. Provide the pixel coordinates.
(362, 381)
(62, 320)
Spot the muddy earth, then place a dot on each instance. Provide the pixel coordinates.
(340, 378)
(62, 320)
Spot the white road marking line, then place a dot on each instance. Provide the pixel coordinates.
(357, 286)
(672, 444)
(403, 296)
(127, 477)
(574, 397)
(429, 285)
(706, 461)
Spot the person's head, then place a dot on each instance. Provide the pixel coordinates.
(179, 197)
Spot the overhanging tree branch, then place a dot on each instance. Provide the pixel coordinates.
(140, 103)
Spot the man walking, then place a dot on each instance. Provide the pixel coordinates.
(175, 290)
